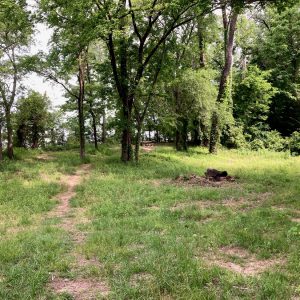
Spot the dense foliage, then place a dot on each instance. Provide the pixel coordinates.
(189, 72)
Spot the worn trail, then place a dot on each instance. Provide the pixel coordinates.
(79, 288)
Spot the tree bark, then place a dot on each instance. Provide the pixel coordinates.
(204, 134)
(10, 150)
(80, 102)
(229, 33)
(94, 125)
(196, 133)
(182, 134)
(21, 136)
(127, 130)
(137, 143)
(201, 44)
(35, 137)
(104, 134)
(1, 147)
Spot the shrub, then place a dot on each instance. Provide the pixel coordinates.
(274, 141)
(257, 144)
(295, 143)
(233, 137)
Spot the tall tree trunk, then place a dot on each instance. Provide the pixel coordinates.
(104, 134)
(127, 130)
(196, 133)
(35, 137)
(21, 136)
(1, 147)
(204, 134)
(138, 142)
(182, 134)
(10, 150)
(201, 43)
(94, 125)
(80, 102)
(90, 100)
(229, 33)
(181, 126)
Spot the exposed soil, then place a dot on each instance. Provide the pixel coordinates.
(239, 260)
(148, 148)
(241, 203)
(78, 288)
(45, 157)
(203, 181)
(296, 220)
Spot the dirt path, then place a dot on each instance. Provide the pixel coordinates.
(81, 287)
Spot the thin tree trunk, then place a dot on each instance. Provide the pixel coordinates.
(80, 102)
(196, 133)
(201, 44)
(94, 125)
(104, 134)
(204, 134)
(10, 150)
(35, 138)
(1, 147)
(229, 43)
(93, 115)
(138, 142)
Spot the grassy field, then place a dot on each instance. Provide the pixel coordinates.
(147, 236)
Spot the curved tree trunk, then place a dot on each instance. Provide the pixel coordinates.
(229, 33)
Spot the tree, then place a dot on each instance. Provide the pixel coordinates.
(229, 27)
(32, 118)
(278, 49)
(136, 32)
(194, 97)
(252, 98)
(230, 12)
(15, 32)
(1, 126)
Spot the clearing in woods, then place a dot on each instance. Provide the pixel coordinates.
(107, 231)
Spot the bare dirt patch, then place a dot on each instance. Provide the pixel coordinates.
(45, 157)
(241, 203)
(80, 289)
(296, 220)
(239, 260)
(195, 180)
(70, 182)
(148, 147)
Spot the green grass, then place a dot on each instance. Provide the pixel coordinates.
(148, 249)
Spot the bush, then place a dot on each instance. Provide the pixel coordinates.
(257, 144)
(274, 141)
(295, 143)
(260, 137)
(233, 137)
